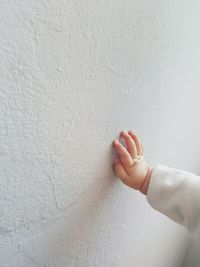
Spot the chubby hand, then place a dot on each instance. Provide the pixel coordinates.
(131, 166)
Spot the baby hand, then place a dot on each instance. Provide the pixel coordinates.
(131, 167)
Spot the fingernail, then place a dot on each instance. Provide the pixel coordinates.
(123, 132)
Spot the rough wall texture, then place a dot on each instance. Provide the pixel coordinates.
(73, 74)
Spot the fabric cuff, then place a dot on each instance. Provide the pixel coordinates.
(154, 194)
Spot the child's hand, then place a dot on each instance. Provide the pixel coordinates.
(131, 168)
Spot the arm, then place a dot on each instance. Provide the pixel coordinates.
(176, 194)
(173, 192)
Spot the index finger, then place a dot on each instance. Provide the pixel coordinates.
(125, 157)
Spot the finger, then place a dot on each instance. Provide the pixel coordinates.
(120, 171)
(131, 146)
(125, 157)
(142, 148)
(137, 142)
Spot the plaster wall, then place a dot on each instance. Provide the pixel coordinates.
(73, 74)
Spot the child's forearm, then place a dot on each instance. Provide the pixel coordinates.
(176, 193)
(173, 192)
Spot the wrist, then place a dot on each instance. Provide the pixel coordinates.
(145, 185)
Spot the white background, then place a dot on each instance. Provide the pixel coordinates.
(73, 74)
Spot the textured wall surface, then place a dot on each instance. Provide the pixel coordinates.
(73, 74)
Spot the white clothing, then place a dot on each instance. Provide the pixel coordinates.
(176, 194)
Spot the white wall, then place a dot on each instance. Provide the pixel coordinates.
(73, 74)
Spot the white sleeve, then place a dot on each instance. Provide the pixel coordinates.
(176, 194)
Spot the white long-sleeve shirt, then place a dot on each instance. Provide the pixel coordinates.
(176, 193)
